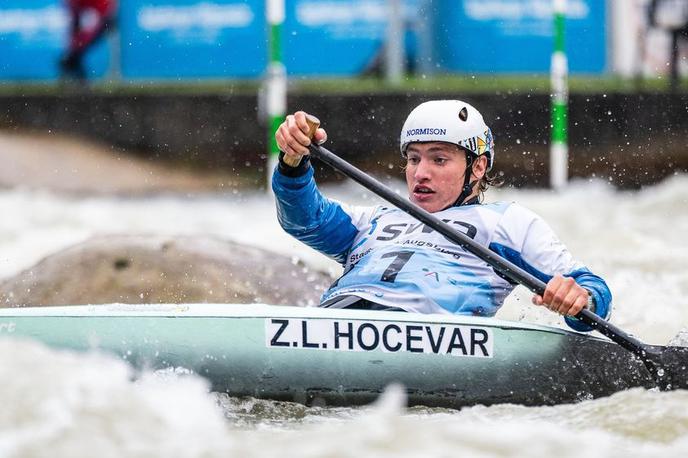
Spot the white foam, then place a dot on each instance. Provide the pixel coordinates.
(68, 405)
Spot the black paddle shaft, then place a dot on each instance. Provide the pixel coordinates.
(503, 266)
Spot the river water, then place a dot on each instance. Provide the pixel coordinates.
(63, 404)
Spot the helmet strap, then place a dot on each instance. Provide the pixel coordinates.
(467, 184)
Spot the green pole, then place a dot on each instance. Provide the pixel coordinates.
(559, 150)
(276, 84)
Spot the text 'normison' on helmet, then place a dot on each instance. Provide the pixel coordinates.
(451, 121)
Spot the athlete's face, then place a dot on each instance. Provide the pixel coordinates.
(435, 174)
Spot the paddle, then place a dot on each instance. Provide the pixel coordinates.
(668, 365)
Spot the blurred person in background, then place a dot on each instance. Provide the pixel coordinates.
(671, 16)
(84, 33)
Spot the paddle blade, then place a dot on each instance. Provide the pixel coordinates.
(671, 367)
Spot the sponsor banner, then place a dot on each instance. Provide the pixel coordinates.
(186, 39)
(333, 37)
(191, 38)
(33, 36)
(517, 35)
(388, 337)
(228, 38)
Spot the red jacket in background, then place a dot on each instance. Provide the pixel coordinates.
(103, 7)
(80, 37)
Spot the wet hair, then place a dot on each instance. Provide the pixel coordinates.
(488, 180)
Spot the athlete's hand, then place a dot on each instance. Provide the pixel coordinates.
(292, 135)
(563, 295)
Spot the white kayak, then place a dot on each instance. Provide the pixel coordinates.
(343, 357)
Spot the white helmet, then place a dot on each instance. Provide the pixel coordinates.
(451, 121)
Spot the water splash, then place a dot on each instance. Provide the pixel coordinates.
(65, 404)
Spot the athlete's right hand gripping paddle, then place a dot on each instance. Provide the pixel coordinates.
(313, 124)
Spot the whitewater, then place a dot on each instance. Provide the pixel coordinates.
(64, 404)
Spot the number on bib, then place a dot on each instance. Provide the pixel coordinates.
(400, 260)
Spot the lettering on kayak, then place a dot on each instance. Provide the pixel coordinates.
(304, 334)
(456, 342)
(435, 345)
(412, 337)
(274, 341)
(388, 337)
(8, 327)
(348, 335)
(373, 343)
(385, 338)
(479, 342)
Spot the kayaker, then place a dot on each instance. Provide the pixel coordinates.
(393, 262)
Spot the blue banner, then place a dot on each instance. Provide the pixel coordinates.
(228, 38)
(33, 37)
(193, 39)
(499, 36)
(333, 37)
(188, 39)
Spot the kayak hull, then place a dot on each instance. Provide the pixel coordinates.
(343, 357)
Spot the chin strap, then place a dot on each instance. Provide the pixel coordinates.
(467, 184)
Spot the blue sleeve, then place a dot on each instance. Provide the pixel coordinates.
(600, 293)
(307, 215)
(584, 277)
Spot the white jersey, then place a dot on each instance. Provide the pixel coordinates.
(398, 261)
(392, 259)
